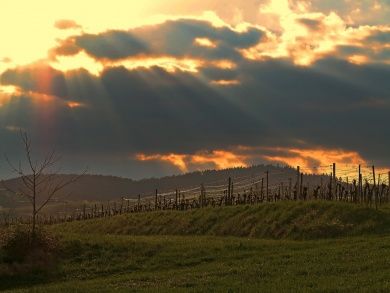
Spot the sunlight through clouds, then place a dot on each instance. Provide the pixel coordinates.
(117, 76)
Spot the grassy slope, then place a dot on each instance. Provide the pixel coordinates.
(95, 261)
(302, 220)
(203, 264)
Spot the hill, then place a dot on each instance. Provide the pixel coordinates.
(102, 188)
(281, 220)
(346, 249)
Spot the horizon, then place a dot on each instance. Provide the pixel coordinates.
(162, 88)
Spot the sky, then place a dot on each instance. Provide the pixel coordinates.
(152, 88)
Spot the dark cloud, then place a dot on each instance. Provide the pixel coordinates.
(380, 37)
(174, 38)
(111, 45)
(38, 78)
(373, 53)
(312, 24)
(332, 104)
(67, 47)
(362, 12)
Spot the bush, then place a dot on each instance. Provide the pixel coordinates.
(20, 250)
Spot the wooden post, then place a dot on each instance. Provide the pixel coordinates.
(155, 200)
(388, 187)
(360, 187)
(256, 192)
(301, 187)
(267, 183)
(202, 195)
(334, 182)
(262, 189)
(374, 188)
(298, 180)
(229, 190)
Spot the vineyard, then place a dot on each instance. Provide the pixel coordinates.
(358, 185)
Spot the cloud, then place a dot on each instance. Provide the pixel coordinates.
(183, 94)
(65, 24)
(179, 38)
(363, 12)
(310, 160)
(333, 104)
(38, 78)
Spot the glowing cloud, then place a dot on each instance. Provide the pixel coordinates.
(204, 42)
(80, 60)
(218, 159)
(6, 92)
(224, 82)
(174, 159)
(305, 36)
(65, 24)
(315, 160)
(74, 105)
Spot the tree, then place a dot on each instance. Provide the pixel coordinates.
(39, 183)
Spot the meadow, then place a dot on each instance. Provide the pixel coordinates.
(272, 247)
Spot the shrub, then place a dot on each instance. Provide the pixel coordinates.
(22, 252)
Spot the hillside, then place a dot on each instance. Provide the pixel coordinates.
(101, 188)
(341, 248)
(282, 220)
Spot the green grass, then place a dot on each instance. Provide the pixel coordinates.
(106, 255)
(292, 220)
(109, 263)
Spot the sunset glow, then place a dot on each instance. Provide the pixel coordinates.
(212, 76)
(74, 105)
(205, 42)
(316, 160)
(173, 119)
(217, 159)
(310, 160)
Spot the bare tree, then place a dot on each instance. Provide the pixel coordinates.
(39, 182)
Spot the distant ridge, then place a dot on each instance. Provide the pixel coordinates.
(101, 187)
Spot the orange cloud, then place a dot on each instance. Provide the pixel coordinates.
(74, 104)
(305, 36)
(69, 61)
(221, 159)
(224, 82)
(358, 59)
(312, 160)
(315, 160)
(174, 159)
(64, 24)
(217, 159)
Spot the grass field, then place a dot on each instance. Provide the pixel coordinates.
(226, 250)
